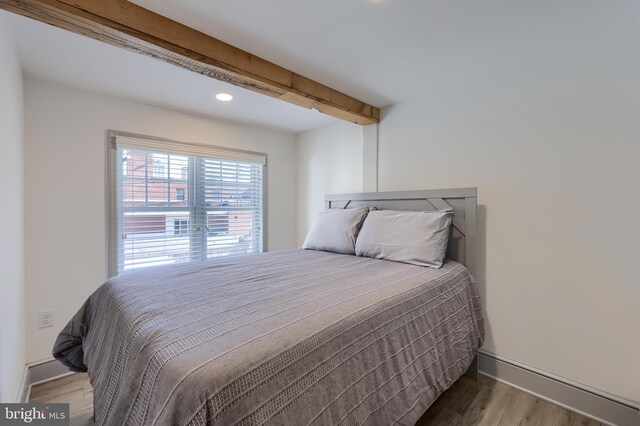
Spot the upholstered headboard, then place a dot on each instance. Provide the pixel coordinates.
(462, 239)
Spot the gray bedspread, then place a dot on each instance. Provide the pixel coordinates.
(284, 338)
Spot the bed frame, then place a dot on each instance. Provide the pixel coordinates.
(462, 238)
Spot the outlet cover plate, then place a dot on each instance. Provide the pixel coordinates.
(45, 319)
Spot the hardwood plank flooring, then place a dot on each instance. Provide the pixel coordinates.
(485, 402)
(75, 390)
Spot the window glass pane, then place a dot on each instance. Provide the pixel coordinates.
(160, 165)
(233, 200)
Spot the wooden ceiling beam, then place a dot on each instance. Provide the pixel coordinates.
(127, 25)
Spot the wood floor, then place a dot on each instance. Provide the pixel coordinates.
(488, 402)
(74, 390)
(466, 403)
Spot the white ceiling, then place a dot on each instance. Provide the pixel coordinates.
(374, 50)
(355, 46)
(384, 52)
(52, 54)
(379, 51)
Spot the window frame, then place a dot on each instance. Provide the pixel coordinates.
(113, 203)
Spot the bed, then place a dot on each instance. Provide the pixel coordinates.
(289, 337)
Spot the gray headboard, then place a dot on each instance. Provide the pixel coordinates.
(462, 239)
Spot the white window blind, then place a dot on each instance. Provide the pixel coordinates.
(175, 206)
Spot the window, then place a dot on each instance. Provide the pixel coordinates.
(159, 162)
(181, 226)
(174, 202)
(179, 194)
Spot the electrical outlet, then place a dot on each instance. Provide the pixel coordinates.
(45, 319)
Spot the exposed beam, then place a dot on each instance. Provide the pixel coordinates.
(134, 28)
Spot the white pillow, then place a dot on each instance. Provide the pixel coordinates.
(335, 230)
(418, 238)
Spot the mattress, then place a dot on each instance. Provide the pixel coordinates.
(291, 337)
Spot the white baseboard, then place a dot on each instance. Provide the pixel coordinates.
(25, 387)
(588, 402)
(47, 370)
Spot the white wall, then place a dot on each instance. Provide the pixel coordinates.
(12, 303)
(542, 115)
(329, 162)
(65, 196)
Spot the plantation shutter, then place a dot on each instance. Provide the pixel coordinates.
(179, 202)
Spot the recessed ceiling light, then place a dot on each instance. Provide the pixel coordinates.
(224, 97)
